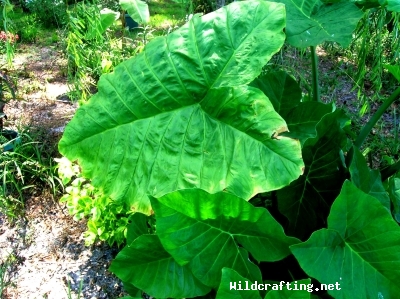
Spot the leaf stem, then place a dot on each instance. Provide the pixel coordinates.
(374, 119)
(315, 79)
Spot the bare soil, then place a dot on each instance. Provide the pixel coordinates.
(45, 246)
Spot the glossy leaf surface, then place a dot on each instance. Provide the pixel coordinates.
(146, 265)
(360, 249)
(205, 230)
(310, 22)
(179, 115)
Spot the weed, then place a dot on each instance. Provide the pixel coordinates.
(5, 269)
(23, 168)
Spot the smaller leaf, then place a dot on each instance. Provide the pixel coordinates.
(235, 286)
(146, 265)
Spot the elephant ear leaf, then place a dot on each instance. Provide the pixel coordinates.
(311, 22)
(180, 114)
(360, 249)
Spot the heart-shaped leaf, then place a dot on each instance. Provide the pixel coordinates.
(179, 115)
(205, 230)
(360, 250)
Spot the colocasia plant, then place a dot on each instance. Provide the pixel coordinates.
(188, 133)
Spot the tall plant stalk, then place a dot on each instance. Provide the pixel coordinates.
(374, 119)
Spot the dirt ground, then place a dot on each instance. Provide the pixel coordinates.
(49, 258)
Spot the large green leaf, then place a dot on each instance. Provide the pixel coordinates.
(205, 230)
(154, 126)
(366, 179)
(137, 9)
(309, 197)
(311, 22)
(146, 265)
(360, 249)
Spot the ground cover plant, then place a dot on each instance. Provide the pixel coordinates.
(188, 134)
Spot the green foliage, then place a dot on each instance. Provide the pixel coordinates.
(49, 12)
(108, 219)
(170, 111)
(91, 49)
(310, 22)
(6, 268)
(377, 43)
(187, 133)
(359, 249)
(20, 169)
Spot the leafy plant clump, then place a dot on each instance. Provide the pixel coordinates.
(187, 133)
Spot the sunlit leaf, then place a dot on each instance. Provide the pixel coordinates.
(180, 115)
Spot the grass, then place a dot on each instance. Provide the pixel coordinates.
(23, 170)
(166, 15)
(5, 268)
